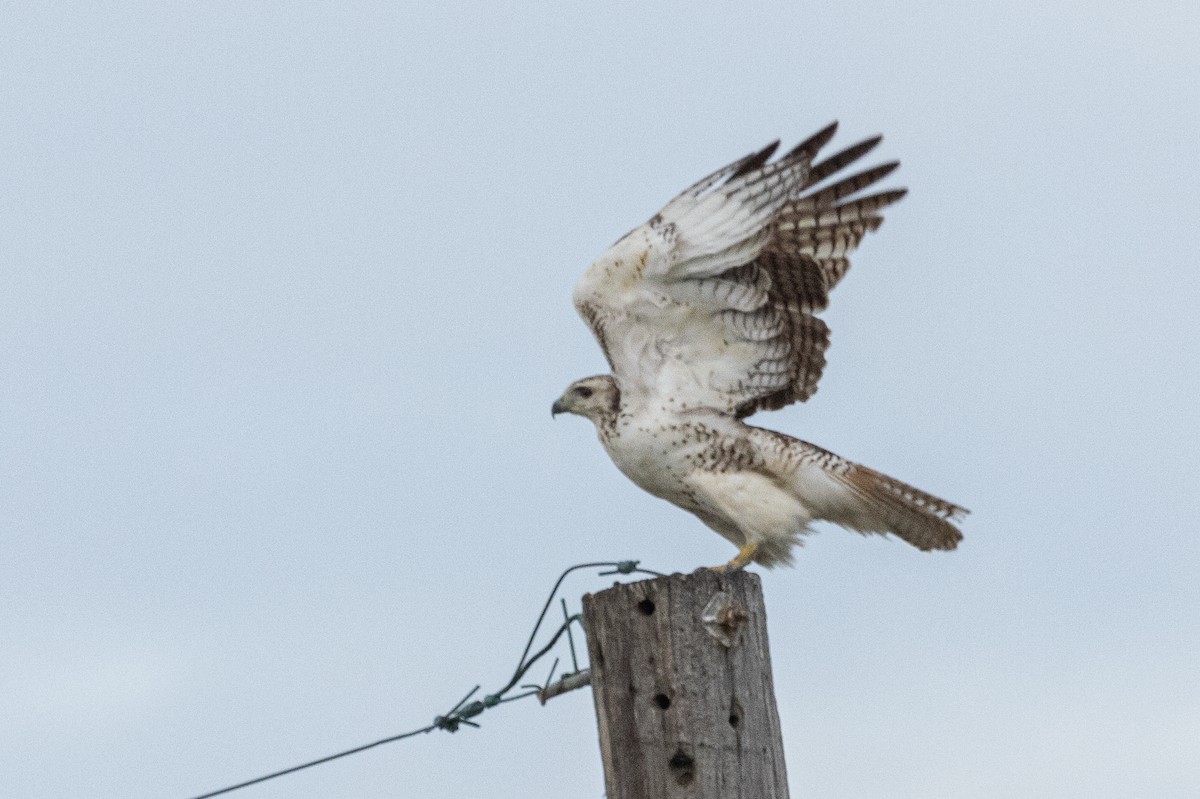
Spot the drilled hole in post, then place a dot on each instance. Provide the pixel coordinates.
(683, 768)
(646, 607)
(662, 700)
(735, 714)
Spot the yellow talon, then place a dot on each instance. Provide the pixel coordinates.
(741, 559)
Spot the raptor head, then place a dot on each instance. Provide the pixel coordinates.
(594, 397)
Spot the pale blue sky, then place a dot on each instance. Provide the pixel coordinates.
(285, 299)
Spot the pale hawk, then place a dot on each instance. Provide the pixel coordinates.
(707, 314)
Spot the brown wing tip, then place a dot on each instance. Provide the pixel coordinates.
(754, 161)
(840, 159)
(855, 151)
(883, 170)
(815, 142)
(878, 201)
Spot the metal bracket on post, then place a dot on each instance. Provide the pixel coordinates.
(568, 682)
(722, 618)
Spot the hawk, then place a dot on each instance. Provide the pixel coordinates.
(707, 314)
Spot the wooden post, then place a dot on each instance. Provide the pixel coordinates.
(681, 676)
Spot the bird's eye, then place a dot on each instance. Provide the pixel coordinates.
(584, 392)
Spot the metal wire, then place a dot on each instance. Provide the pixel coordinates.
(465, 710)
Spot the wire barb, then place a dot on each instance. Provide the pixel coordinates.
(570, 636)
(466, 710)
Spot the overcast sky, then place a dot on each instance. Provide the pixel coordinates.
(285, 300)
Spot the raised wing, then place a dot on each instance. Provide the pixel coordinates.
(712, 303)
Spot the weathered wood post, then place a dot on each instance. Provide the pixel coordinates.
(681, 676)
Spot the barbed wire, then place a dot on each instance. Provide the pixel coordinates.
(466, 710)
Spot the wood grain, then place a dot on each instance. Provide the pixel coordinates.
(680, 714)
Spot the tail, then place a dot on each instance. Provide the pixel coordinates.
(856, 497)
(885, 505)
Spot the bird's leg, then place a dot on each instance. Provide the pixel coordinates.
(741, 559)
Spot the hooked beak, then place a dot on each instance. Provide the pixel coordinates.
(557, 408)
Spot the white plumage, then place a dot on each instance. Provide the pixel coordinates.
(706, 314)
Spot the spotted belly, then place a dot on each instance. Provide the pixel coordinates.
(658, 459)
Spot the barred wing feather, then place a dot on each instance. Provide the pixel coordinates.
(712, 303)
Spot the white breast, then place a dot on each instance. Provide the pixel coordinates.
(656, 451)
